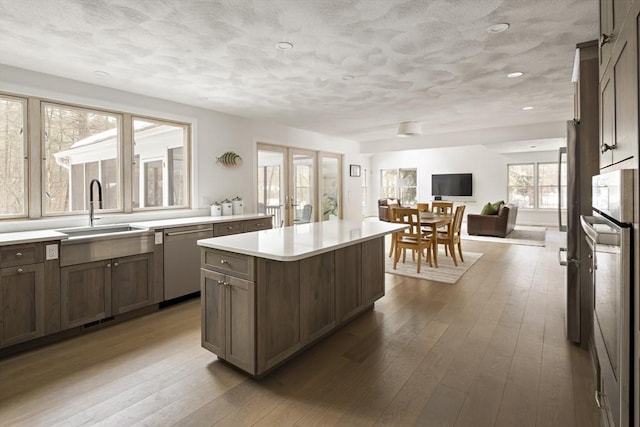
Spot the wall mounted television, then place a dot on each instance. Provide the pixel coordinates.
(452, 184)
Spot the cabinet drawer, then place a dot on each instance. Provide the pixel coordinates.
(226, 228)
(257, 224)
(11, 256)
(237, 265)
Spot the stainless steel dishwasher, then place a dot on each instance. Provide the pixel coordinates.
(182, 259)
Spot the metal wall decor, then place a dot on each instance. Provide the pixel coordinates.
(230, 159)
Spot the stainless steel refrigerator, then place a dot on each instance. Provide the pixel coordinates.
(582, 161)
(581, 164)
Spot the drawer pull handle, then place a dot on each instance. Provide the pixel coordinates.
(224, 261)
(229, 228)
(605, 38)
(18, 254)
(20, 270)
(115, 264)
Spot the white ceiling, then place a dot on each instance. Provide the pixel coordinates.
(431, 61)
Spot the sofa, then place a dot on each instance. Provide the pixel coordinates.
(499, 225)
(384, 208)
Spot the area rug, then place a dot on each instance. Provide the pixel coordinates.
(445, 273)
(522, 235)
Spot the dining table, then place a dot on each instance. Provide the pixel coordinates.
(433, 221)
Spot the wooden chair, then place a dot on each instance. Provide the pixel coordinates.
(413, 238)
(423, 207)
(451, 237)
(442, 208)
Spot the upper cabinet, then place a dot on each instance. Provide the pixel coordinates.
(618, 82)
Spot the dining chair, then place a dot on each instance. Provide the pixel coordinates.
(412, 238)
(442, 208)
(423, 207)
(451, 237)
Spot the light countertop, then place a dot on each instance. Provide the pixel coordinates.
(19, 237)
(302, 240)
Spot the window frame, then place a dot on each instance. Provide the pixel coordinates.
(26, 156)
(35, 162)
(536, 185)
(397, 184)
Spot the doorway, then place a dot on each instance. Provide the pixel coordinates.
(294, 189)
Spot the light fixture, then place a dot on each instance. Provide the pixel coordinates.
(348, 77)
(409, 129)
(515, 74)
(101, 73)
(527, 108)
(498, 28)
(284, 45)
(203, 98)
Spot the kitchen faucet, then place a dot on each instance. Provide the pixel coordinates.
(91, 199)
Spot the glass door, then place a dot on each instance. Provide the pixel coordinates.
(271, 182)
(298, 186)
(302, 185)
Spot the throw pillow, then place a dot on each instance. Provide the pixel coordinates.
(488, 209)
(497, 205)
(392, 202)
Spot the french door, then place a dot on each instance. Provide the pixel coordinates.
(294, 188)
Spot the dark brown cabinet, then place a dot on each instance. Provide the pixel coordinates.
(228, 322)
(96, 290)
(22, 303)
(618, 83)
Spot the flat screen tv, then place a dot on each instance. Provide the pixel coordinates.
(451, 184)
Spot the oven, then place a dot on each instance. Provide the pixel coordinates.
(608, 233)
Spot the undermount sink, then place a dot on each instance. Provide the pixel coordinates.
(107, 230)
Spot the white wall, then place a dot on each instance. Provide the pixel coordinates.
(488, 167)
(213, 134)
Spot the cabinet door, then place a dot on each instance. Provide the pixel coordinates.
(85, 290)
(240, 323)
(317, 296)
(372, 270)
(348, 282)
(607, 120)
(213, 313)
(626, 97)
(132, 282)
(278, 311)
(21, 303)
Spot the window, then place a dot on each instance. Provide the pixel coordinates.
(160, 171)
(535, 186)
(13, 157)
(79, 144)
(399, 184)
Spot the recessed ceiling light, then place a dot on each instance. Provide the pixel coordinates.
(532, 146)
(515, 74)
(202, 98)
(498, 28)
(101, 73)
(284, 45)
(348, 77)
(527, 108)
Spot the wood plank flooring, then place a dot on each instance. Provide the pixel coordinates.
(487, 351)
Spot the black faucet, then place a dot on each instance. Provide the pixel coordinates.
(91, 199)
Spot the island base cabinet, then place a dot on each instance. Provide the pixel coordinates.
(278, 311)
(372, 270)
(228, 318)
(22, 304)
(348, 282)
(317, 296)
(85, 291)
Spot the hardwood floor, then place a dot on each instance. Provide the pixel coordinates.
(487, 351)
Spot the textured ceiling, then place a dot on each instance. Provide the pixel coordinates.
(430, 61)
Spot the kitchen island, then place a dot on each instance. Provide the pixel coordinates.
(267, 295)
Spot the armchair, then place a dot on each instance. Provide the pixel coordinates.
(384, 207)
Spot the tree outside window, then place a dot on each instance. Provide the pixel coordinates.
(13, 157)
